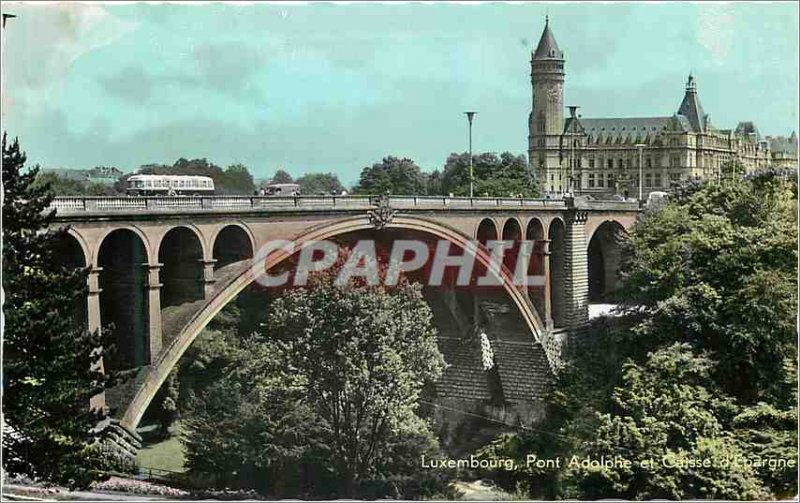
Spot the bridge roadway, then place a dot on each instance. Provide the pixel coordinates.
(161, 267)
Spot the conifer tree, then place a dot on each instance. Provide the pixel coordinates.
(50, 360)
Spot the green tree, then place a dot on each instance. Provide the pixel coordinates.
(717, 267)
(320, 183)
(282, 176)
(665, 414)
(433, 183)
(237, 180)
(392, 175)
(323, 401)
(505, 175)
(58, 185)
(164, 407)
(50, 359)
(701, 362)
(251, 428)
(364, 360)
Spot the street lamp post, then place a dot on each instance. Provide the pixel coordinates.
(572, 182)
(470, 116)
(640, 146)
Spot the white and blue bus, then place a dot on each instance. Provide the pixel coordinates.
(163, 185)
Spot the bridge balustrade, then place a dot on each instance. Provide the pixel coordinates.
(228, 202)
(81, 204)
(175, 202)
(115, 203)
(68, 203)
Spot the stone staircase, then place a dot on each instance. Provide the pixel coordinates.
(464, 377)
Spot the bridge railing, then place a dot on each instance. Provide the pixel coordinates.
(111, 204)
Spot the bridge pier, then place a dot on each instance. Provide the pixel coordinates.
(154, 310)
(548, 313)
(576, 281)
(208, 276)
(94, 324)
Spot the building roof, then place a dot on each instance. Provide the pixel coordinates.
(746, 128)
(691, 107)
(783, 144)
(547, 48)
(630, 129)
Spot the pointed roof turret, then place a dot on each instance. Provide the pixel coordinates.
(691, 107)
(547, 48)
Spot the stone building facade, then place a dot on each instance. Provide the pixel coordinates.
(601, 156)
(783, 150)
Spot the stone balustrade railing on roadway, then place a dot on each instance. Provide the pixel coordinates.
(78, 205)
(108, 204)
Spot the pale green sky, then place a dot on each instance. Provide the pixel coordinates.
(322, 87)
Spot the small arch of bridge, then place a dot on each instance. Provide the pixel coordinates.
(81, 242)
(130, 227)
(121, 257)
(181, 258)
(194, 229)
(232, 241)
(487, 230)
(512, 229)
(604, 258)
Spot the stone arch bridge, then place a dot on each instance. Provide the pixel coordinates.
(160, 268)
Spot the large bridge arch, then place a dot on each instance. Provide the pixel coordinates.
(171, 354)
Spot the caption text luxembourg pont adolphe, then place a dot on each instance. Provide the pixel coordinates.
(616, 462)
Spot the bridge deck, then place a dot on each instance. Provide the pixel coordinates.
(85, 206)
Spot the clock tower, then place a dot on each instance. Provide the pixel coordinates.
(546, 121)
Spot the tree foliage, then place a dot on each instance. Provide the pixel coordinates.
(322, 400)
(50, 359)
(282, 176)
(668, 419)
(392, 176)
(320, 183)
(701, 365)
(60, 185)
(717, 267)
(505, 175)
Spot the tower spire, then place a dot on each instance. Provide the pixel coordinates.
(548, 47)
(690, 106)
